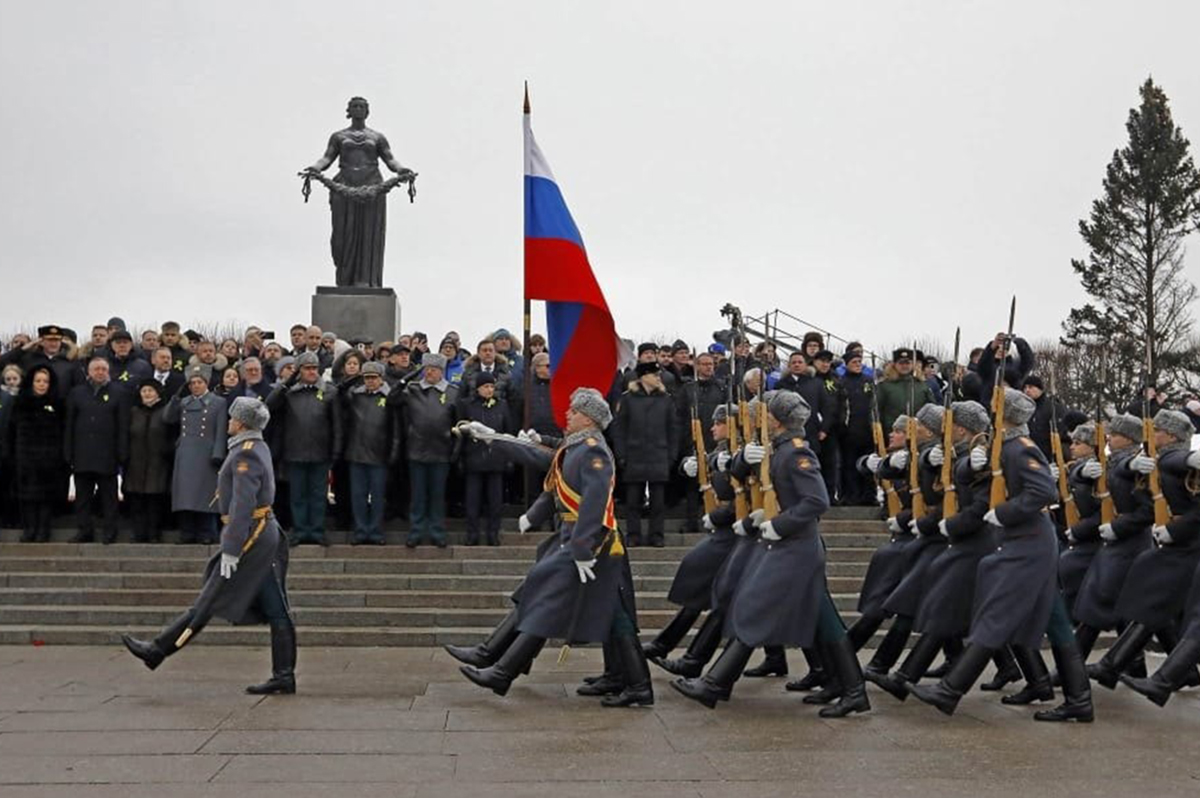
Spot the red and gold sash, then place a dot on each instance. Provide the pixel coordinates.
(569, 499)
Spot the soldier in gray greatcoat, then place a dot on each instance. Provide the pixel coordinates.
(244, 582)
(199, 452)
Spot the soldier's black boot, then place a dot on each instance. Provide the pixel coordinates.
(1007, 671)
(283, 662)
(499, 677)
(717, 684)
(946, 694)
(699, 652)
(816, 676)
(612, 681)
(951, 647)
(915, 665)
(1077, 690)
(153, 652)
(1037, 678)
(638, 691)
(832, 689)
(844, 662)
(1171, 676)
(773, 664)
(487, 652)
(889, 650)
(1127, 648)
(1085, 638)
(862, 630)
(666, 640)
(1168, 638)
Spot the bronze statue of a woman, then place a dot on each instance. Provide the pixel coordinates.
(357, 196)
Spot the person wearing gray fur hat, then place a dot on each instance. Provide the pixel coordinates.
(1083, 537)
(1127, 426)
(1175, 424)
(972, 416)
(250, 413)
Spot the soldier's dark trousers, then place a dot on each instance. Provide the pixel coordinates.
(90, 490)
(368, 483)
(633, 510)
(309, 485)
(484, 497)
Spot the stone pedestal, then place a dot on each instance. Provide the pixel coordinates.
(372, 313)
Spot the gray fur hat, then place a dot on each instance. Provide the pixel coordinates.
(1175, 424)
(1084, 433)
(721, 413)
(900, 424)
(199, 371)
(433, 360)
(307, 359)
(1018, 408)
(930, 417)
(1126, 424)
(373, 367)
(971, 415)
(284, 362)
(590, 403)
(789, 409)
(252, 413)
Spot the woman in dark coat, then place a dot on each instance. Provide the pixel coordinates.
(151, 452)
(35, 436)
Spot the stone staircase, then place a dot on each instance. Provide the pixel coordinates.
(60, 593)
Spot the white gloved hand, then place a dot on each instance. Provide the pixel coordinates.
(524, 524)
(586, 572)
(756, 517)
(912, 525)
(476, 428)
(523, 437)
(1091, 469)
(991, 518)
(898, 459)
(768, 531)
(942, 528)
(533, 436)
(707, 523)
(1106, 532)
(723, 459)
(1161, 536)
(1054, 472)
(739, 528)
(893, 525)
(873, 462)
(937, 455)
(1071, 537)
(1142, 464)
(979, 458)
(229, 564)
(691, 466)
(1193, 460)
(753, 453)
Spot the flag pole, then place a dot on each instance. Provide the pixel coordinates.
(527, 377)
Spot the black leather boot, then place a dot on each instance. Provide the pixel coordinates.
(890, 649)
(946, 694)
(153, 652)
(862, 630)
(1127, 648)
(912, 669)
(774, 664)
(283, 662)
(638, 691)
(1168, 638)
(844, 662)
(1085, 638)
(717, 684)
(612, 681)
(699, 652)
(1077, 690)
(487, 652)
(832, 689)
(1037, 678)
(1007, 671)
(816, 677)
(951, 648)
(499, 677)
(1180, 664)
(666, 640)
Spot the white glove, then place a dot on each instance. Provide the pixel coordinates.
(691, 466)
(707, 523)
(873, 462)
(1193, 460)
(937, 455)
(756, 517)
(529, 436)
(898, 459)
(1142, 464)
(723, 459)
(1106, 532)
(1161, 536)
(1091, 469)
(912, 525)
(229, 563)
(1071, 537)
(753, 453)
(768, 531)
(1054, 472)
(739, 528)
(990, 518)
(524, 524)
(979, 458)
(893, 525)
(476, 428)
(586, 572)
(942, 528)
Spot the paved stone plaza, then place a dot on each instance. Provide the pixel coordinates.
(89, 721)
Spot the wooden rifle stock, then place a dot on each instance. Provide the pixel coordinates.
(752, 482)
(706, 488)
(889, 490)
(999, 489)
(770, 502)
(739, 492)
(949, 492)
(1162, 513)
(1064, 488)
(914, 471)
(1107, 510)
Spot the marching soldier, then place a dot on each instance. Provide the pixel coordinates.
(245, 581)
(1083, 538)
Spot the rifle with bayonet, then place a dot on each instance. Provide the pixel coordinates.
(889, 490)
(1107, 509)
(1162, 513)
(914, 471)
(731, 422)
(999, 488)
(706, 488)
(770, 502)
(1065, 497)
(949, 492)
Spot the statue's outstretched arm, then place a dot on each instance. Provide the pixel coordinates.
(385, 154)
(331, 154)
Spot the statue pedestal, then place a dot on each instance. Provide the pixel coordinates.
(349, 312)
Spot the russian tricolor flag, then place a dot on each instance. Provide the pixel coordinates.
(582, 338)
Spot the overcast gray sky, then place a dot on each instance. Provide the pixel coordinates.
(859, 165)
